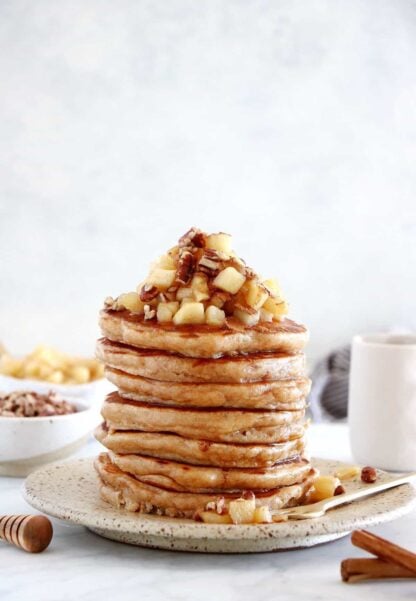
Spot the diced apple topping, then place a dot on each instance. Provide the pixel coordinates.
(131, 301)
(199, 287)
(220, 242)
(272, 286)
(184, 293)
(276, 308)
(248, 319)
(166, 311)
(202, 281)
(161, 278)
(165, 262)
(255, 294)
(190, 313)
(230, 280)
(214, 316)
(265, 316)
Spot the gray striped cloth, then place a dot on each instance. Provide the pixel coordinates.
(328, 399)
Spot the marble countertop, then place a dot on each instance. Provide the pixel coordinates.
(81, 565)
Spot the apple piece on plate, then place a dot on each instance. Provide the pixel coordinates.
(242, 511)
(262, 515)
(211, 517)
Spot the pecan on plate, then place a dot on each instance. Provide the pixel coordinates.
(368, 474)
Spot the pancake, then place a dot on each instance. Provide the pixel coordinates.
(202, 341)
(191, 478)
(217, 424)
(283, 395)
(168, 367)
(124, 490)
(198, 452)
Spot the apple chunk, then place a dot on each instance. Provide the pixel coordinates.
(242, 511)
(210, 517)
(161, 278)
(214, 316)
(277, 308)
(230, 280)
(220, 242)
(131, 301)
(190, 313)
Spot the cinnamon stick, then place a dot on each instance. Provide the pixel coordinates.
(366, 568)
(384, 549)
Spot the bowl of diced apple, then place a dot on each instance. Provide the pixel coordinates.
(47, 368)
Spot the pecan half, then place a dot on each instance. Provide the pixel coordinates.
(210, 262)
(193, 237)
(369, 474)
(186, 267)
(148, 293)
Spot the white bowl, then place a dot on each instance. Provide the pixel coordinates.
(90, 394)
(29, 442)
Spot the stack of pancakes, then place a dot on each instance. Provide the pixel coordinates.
(202, 414)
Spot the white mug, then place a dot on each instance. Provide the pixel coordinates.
(382, 401)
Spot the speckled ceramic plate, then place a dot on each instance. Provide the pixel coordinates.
(70, 491)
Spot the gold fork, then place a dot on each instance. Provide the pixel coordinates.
(317, 510)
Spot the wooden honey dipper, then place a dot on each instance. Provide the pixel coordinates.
(32, 533)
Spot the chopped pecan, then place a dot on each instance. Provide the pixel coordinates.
(149, 313)
(33, 404)
(186, 267)
(111, 303)
(219, 298)
(221, 508)
(248, 495)
(245, 308)
(193, 237)
(148, 293)
(340, 490)
(210, 263)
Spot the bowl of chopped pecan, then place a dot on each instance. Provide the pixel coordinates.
(37, 428)
(47, 368)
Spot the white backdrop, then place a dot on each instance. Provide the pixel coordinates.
(291, 124)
